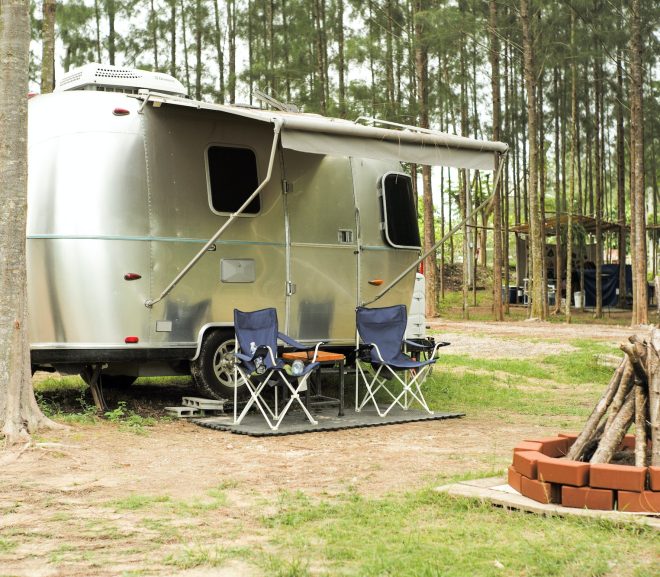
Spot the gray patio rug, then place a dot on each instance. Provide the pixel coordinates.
(296, 423)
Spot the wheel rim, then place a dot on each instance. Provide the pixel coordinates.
(223, 364)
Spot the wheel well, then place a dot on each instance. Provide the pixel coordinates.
(208, 329)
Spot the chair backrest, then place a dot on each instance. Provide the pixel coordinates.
(385, 327)
(256, 329)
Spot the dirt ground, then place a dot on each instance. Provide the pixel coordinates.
(53, 492)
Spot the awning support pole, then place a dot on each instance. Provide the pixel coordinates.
(414, 265)
(277, 129)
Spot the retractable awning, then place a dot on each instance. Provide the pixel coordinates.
(316, 134)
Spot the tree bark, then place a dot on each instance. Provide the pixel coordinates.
(653, 371)
(621, 181)
(48, 47)
(19, 412)
(571, 191)
(537, 309)
(641, 407)
(494, 53)
(637, 145)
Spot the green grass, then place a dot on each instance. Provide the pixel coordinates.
(425, 533)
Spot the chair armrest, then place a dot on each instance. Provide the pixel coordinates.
(294, 343)
(417, 346)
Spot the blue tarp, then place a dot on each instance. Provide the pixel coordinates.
(610, 276)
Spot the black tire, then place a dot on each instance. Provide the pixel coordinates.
(213, 369)
(117, 381)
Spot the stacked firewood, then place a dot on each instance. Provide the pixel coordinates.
(632, 398)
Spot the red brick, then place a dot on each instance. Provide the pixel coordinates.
(514, 478)
(552, 446)
(570, 438)
(527, 446)
(541, 492)
(525, 462)
(563, 471)
(654, 478)
(633, 502)
(622, 477)
(628, 442)
(587, 498)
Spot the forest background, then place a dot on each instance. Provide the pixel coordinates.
(571, 86)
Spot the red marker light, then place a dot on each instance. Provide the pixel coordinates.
(120, 112)
(131, 340)
(32, 94)
(132, 276)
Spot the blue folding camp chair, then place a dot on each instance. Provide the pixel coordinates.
(382, 363)
(258, 366)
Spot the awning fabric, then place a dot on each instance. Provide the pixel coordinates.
(316, 134)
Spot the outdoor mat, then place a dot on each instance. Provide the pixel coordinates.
(296, 423)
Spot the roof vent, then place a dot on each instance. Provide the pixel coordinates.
(103, 77)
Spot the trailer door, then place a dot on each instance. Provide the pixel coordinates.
(389, 235)
(322, 243)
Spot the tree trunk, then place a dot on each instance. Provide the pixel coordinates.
(185, 44)
(599, 189)
(653, 370)
(421, 67)
(341, 63)
(231, 35)
(571, 194)
(198, 49)
(494, 53)
(173, 38)
(637, 146)
(621, 181)
(641, 407)
(19, 412)
(153, 21)
(220, 53)
(112, 13)
(48, 47)
(537, 308)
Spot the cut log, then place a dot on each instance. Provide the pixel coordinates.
(641, 409)
(589, 432)
(637, 354)
(653, 370)
(615, 431)
(626, 384)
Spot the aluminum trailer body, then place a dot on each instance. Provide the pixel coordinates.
(125, 188)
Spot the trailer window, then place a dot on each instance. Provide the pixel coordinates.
(399, 213)
(232, 178)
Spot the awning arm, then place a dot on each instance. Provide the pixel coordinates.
(276, 129)
(414, 265)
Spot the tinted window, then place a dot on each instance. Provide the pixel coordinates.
(399, 212)
(233, 178)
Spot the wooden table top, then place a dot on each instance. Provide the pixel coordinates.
(321, 357)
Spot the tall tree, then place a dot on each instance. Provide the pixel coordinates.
(48, 47)
(638, 236)
(421, 65)
(19, 412)
(497, 219)
(537, 309)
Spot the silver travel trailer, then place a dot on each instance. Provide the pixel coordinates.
(152, 216)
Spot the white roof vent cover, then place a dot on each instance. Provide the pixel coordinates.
(109, 78)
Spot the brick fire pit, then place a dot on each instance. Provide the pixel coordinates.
(540, 472)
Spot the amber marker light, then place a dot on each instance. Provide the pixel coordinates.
(376, 282)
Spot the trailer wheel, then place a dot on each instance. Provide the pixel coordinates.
(213, 370)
